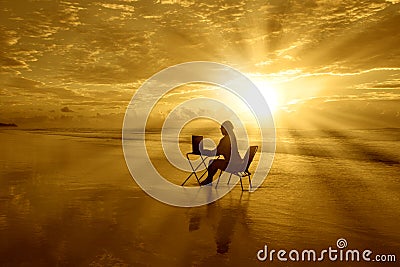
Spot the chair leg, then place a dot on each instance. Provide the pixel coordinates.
(230, 176)
(250, 182)
(220, 173)
(241, 184)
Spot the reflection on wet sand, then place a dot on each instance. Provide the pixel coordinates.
(71, 201)
(221, 219)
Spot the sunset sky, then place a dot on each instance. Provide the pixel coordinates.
(318, 63)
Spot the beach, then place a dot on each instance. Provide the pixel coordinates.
(68, 199)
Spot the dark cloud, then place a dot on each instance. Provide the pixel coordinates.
(66, 109)
(7, 62)
(390, 84)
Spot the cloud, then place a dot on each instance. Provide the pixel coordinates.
(17, 85)
(66, 109)
(61, 53)
(366, 110)
(149, 36)
(389, 84)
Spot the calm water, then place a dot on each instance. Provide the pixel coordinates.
(67, 199)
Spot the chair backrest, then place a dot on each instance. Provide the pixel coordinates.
(251, 152)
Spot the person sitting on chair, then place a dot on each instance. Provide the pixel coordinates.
(227, 147)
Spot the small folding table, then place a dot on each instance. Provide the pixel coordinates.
(195, 168)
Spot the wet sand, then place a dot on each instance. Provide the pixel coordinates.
(70, 201)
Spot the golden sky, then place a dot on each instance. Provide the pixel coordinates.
(319, 63)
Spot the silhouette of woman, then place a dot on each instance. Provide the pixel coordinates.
(227, 147)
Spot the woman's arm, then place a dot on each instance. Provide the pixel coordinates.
(215, 152)
(208, 152)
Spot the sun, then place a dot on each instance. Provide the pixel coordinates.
(269, 92)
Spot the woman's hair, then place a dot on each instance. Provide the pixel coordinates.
(227, 125)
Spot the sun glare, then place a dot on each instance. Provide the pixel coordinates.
(269, 93)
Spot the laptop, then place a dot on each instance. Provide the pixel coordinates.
(197, 144)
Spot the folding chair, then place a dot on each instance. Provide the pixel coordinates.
(194, 168)
(251, 152)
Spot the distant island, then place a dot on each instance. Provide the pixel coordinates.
(8, 125)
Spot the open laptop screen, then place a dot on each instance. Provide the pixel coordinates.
(196, 142)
